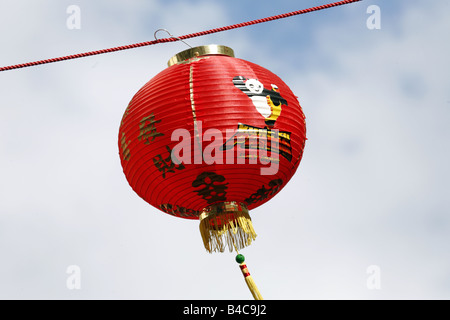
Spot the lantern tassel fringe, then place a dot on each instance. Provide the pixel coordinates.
(233, 228)
(248, 278)
(253, 289)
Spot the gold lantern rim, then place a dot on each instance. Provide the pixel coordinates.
(226, 224)
(211, 49)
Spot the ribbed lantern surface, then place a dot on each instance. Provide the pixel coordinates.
(211, 131)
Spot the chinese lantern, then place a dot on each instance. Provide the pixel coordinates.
(210, 138)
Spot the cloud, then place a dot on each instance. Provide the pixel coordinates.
(372, 187)
(372, 166)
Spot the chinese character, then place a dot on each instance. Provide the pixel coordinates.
(125, 150)
(148, 129)
(263, 193)
(178, 211)
(166, 165)
(213, 189)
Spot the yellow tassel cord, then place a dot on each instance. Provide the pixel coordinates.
(248, 278)
(226, 223)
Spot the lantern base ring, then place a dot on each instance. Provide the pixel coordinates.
(226, 223)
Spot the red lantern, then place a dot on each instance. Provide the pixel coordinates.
(210, 138)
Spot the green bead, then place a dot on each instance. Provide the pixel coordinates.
(240, 258)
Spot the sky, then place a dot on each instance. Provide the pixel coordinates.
(366, 216)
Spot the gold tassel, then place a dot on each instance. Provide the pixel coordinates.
(226, 223)
(248, 278)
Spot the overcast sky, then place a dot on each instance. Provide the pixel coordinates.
(371, 193)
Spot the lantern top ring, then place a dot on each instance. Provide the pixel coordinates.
(211, 49)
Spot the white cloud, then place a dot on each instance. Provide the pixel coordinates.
(371, 189)
(374, 164)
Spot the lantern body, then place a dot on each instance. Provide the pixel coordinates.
(211, 129)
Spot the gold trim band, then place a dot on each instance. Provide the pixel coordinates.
(223, 207)
(211, 49)
(226, 224)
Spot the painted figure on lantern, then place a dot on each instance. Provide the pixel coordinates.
(267, 102)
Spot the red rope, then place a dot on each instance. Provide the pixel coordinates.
(164, 40)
